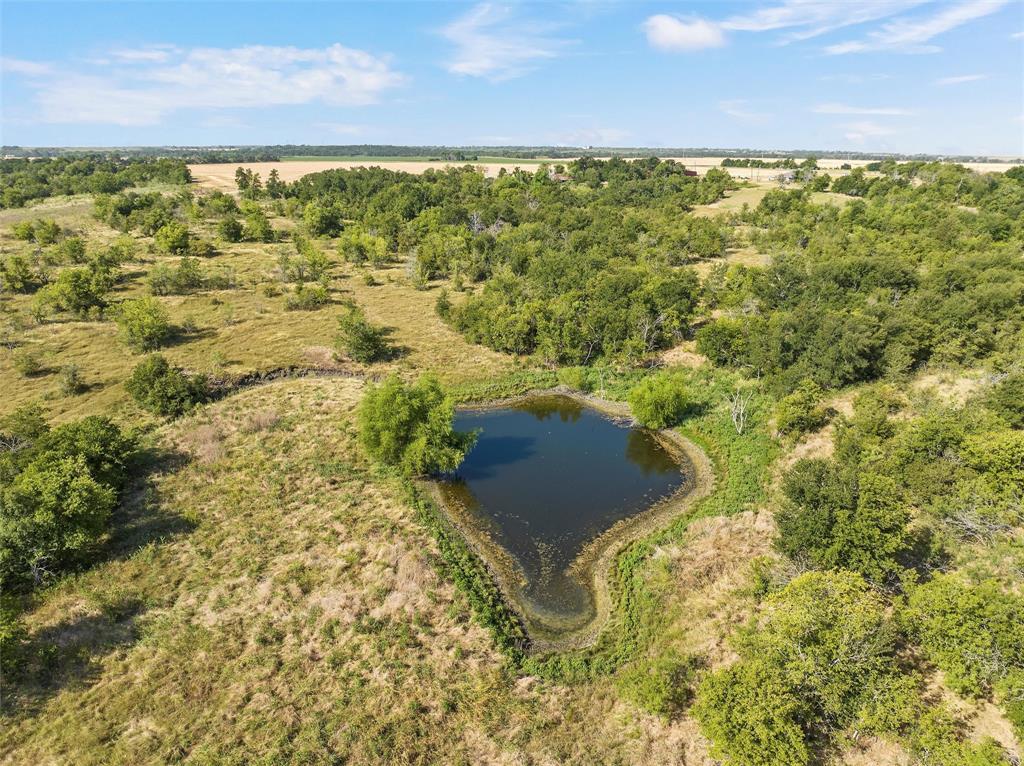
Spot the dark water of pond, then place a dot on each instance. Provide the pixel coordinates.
(546, 477)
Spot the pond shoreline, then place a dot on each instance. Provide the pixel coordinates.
(593, 565)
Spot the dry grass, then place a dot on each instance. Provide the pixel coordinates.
(288, 611)
(236, 330)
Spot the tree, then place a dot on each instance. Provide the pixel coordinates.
(410, 427)
(972, 632)
(659, 401)
(144, 324)
(172, 238)
(257, 226)
(323, 219)
(78, 291)
(163, 389)
(51, 516)
(359, 339)
(230, 230)
(837, 518)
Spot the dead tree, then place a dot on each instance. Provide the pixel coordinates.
(739, 403)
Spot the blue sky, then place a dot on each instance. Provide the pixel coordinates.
(885, 75)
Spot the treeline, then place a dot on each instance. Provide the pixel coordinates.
(785, 164)
(24, 180)
(910, 273)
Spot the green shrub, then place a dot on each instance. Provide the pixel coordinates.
(17, 275)
(107, 450)
(46, 232)
(973, 632)
(28, 362)
(361, 340)
(71, 250)
(172, 238)
(306, 297)
(801, 412)
(575, 378)
(79, 291)
(410, 427)
(144, 324)
(70, 380)
(660, 685)
(230, 230)
(835, 518)
(753, 717)
(1006, 399)
(200, 248)
(165, 390)
(322, 219)
(659, 401)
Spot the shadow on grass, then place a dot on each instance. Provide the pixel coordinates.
(69, 653)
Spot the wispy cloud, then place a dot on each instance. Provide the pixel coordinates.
(887, 111)
(810, 18)
(958, 79)
(859, 132)
(22, 67)
(913, 35)
(671, 33)
(146, 88)
(855, 79)
(796, 20)
(739, 109)
(157, 54)
(491, 41)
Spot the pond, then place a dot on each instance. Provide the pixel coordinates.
(547, 477)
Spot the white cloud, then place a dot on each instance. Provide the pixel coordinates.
(20, 66)
(1017, 36)
(859, 132)
(491, 42)
(146, 90)
(888, 111)
(671, 33)
(960, 79)
(913, 35)
(739, 109)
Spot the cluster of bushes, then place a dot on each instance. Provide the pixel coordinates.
(24, 180)
(58, 488)
(908, 526)
(878, 287)
(166, 390)
(821, 659)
